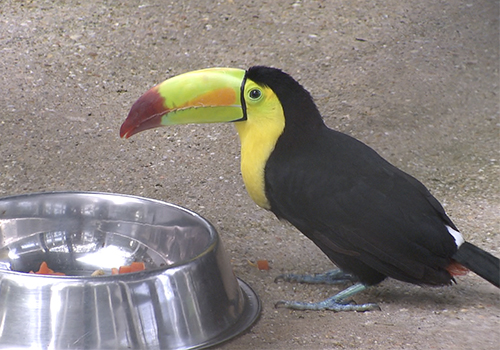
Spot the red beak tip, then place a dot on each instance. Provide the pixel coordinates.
(146, 113)
(124, 133)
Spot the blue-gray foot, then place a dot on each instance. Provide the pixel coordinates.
(338, 302)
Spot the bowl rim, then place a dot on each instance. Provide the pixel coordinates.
(212, 244)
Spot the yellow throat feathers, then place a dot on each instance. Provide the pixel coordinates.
(258, 136)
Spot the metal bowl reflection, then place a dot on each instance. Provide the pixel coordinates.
(188, 296)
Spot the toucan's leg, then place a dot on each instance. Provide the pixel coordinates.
(336, 276)
(338, 302)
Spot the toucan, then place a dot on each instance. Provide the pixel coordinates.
(370, 218)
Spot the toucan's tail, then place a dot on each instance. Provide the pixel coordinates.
(477, 260)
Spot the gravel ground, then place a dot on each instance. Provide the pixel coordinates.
(416, 80)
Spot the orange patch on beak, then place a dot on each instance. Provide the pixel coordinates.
(220, 97)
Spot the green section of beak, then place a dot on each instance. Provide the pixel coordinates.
(205, 96)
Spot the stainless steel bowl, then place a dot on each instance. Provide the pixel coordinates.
(188, 296)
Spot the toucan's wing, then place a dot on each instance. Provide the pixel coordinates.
(350, 201)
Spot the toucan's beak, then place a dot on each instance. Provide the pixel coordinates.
(205, 96)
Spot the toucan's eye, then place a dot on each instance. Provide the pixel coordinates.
(255, 94)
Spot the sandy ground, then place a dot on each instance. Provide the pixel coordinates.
(416, 80)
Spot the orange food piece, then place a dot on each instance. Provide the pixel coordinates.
(134, 267)
(125, 269)
(137, 266)
(44, 270)
(263, 265)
